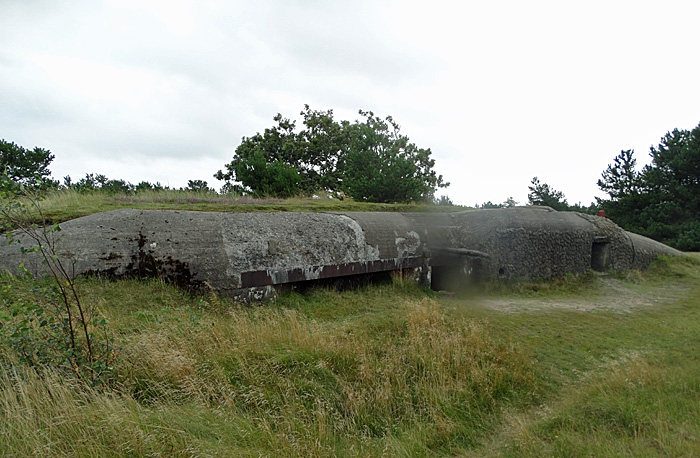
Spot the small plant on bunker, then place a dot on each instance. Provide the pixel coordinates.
(53, 328)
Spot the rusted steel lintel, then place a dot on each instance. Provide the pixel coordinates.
(278, 277)
(455, 256)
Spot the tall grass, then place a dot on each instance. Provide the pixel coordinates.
(288, 383)
(638, 405)
(623, 384)
(387, 370)
(67, 204)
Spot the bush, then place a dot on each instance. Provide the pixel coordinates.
(53, 328)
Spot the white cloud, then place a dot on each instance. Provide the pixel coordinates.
(500, 91)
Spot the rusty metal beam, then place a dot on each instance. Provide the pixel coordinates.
(281, 276)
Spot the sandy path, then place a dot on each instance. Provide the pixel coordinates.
(614, 295)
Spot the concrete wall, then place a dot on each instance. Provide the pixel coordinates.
(538, 242)
(249, 255)
(239, 254)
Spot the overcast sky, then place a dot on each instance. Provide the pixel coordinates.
(500, 91)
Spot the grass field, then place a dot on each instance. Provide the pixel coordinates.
(388, 370)
(67, 204)
(594, 365)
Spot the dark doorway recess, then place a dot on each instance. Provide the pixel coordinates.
(347, 282)
(446, 278)
(600, 256)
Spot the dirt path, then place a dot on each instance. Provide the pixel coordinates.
(612, 294)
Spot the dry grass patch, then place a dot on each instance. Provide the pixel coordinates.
(381, 371)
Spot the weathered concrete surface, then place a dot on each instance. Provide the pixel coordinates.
(226, 250)
(538, 242)
(248, 255)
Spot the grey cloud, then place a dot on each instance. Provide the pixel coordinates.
(482, 91)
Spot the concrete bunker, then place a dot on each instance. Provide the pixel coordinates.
(600, 254)
(253, 256)
(453, 269)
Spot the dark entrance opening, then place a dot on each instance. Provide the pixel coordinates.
(600, 256)
(446, 278)
(348, 282)
(457, 269)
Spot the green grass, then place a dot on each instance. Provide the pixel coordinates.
(67, 204)
(577, 366)
(388, 370)
(275, 380)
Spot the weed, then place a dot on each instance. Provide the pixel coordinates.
(58, 330)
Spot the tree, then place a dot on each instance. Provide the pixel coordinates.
(383, 166)
(198, 186)
(86, 184)
(509, 203)
(662, 201)
(489, 204)
(262, 178)
(117, 187)
(621, 177)
(543, 195)
(316, 153)
(147, 186)
(99, 182)
(24, 166)
(259, 158)
(624, 185)
(675, 168)
(367, 160)
(322, 145)
(443, 200)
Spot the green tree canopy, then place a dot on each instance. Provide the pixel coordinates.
(315, 154)
(261, 176)
(383, 166)
(544, 195)
(100, 182)
(24, 166)
(662, 200)
(368, 160)
(198, 186)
